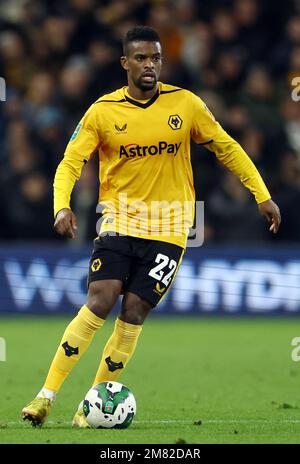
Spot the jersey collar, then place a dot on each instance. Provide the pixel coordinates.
(141, 103)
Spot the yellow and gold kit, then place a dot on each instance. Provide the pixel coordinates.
(146, 180)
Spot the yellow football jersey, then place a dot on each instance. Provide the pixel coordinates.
(146, 180)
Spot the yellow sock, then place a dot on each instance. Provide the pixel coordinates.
(118, 351)
(76, 339)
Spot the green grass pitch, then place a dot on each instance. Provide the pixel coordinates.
(195, 380)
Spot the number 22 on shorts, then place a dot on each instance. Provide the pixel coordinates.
(158, 271)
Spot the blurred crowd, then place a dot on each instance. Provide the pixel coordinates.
(240, 56)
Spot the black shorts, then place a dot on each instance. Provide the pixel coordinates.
(146, 267)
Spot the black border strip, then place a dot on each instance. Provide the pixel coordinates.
(143, 105)
(112, 101)
(170, 91)
(137, 103)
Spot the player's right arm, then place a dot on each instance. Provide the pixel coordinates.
(82, 145)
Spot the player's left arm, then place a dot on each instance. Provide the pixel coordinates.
(208, 132)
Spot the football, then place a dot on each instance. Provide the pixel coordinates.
(109, 405)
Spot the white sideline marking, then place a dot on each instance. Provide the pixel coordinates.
(219, 421)
(187, 422)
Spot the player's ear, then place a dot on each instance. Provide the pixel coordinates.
(124, 62)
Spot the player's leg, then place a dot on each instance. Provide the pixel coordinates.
(77, 337)
(121, 345)
(145, 288)
(107, 271)
(152, 272)
(101, 298)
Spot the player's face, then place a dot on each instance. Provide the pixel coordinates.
(143, 64)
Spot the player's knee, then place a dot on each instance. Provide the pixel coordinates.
(132, 317)
(135, 311)
(97, 307)
(101, 299)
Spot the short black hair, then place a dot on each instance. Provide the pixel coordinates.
(139, 34)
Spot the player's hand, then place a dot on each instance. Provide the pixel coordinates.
(65, 223)
(271, 212)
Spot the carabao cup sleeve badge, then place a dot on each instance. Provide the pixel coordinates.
(76, 131)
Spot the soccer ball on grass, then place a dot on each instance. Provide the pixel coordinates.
(109, 405)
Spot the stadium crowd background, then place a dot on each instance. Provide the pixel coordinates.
(240, 56)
